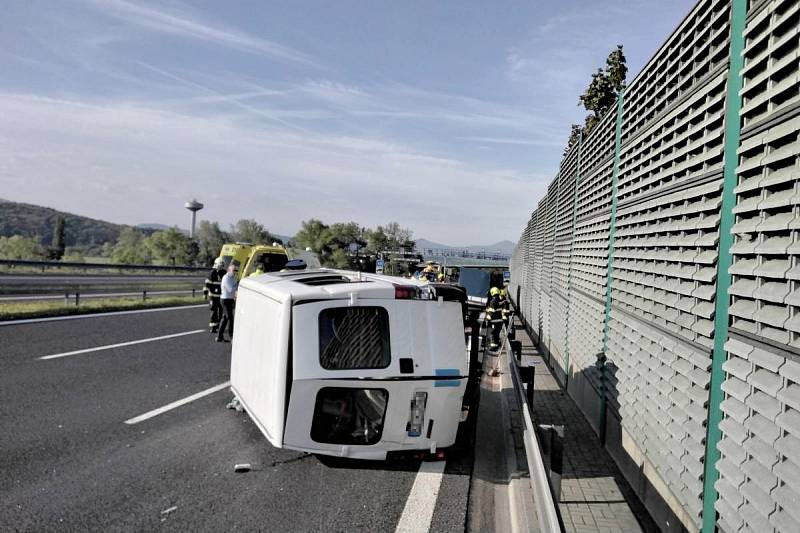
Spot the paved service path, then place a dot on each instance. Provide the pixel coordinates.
(70, 462)
(594, 495)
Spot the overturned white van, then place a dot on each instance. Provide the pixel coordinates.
(350, 364)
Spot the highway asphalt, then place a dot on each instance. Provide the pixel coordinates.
(70, 462)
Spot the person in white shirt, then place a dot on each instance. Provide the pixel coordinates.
(227, 299)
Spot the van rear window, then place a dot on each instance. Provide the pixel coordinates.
(354, 338)
(349, 416)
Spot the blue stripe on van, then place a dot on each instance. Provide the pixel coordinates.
(447, 372)
(446, 383)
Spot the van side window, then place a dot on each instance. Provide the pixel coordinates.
(354, 338)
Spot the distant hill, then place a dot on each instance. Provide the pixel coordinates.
(504, 247)
(36, 221)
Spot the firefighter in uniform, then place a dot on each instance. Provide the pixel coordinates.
(213, 291)
(258, 271)
(505, 308)
(494, 316)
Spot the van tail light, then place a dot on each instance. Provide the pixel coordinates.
(405, 292)
(417, 417)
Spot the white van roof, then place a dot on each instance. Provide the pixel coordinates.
(325, 284)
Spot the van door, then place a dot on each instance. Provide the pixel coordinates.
(365, 419)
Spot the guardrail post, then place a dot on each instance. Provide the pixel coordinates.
(516, 349)
(144, 296)
(77, 299)
(529, 388)
(553, 440)
(527, 375)
(193, 291)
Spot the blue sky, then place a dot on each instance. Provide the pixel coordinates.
(449, 117)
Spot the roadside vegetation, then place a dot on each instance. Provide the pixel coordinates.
(348, 245)
(338, 245)
(167, 247)
(601, 94)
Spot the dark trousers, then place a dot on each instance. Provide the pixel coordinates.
(227, 317)
(216, 312)
(496, 326)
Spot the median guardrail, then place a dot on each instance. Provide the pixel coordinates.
(541, 478)
(99, 266)
(76, 297)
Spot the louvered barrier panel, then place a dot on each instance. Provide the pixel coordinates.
(562, 244)
(538, 259)
(546, 274)
(661, 345)
(588, 266)
(759, 484)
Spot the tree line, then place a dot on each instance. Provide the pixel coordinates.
(338, 245)
(601, 94)
(349, 245)
(140, 246)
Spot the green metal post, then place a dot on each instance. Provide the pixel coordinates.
(733, 103)
(550, 279)
(610, 270)
(552, 269)
(571, 250)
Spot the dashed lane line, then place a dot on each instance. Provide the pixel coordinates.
(119, 345)
(174, 405)
(418, 512)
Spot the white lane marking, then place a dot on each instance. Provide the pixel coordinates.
(418, 512)
(95, 315)
(121, 344)
(173, 405)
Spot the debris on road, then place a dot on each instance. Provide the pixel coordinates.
(242, 467)
(171, 509)
(235, 404)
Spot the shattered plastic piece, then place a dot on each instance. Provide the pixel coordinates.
(242, 467)
(235, 404)
(171, 509)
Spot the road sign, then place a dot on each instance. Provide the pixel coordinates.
(506, 275)
(379, 266)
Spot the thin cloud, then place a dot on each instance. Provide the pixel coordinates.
(118, 153)
(169, 23)
(510, 140)
(223, 98)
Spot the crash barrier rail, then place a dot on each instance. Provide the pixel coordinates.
(99, 266)
(49, 287)
(74, 298)
(668, 243)
(468, 254)
(545, 479)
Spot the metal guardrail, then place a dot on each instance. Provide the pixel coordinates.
(471, 254)
(99, 266)
(544, 499)
(77, 296)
